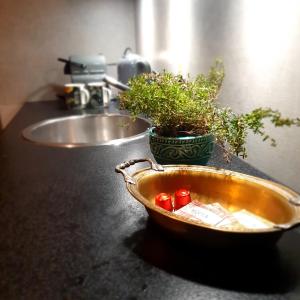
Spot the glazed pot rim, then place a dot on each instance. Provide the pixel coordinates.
(152, 133)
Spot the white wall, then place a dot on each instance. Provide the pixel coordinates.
(259, 42)
(34, 33)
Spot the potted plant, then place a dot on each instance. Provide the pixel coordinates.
(187, 119)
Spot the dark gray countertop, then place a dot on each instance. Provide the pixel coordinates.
(70, 230)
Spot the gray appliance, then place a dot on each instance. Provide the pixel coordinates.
(87, 68)
(130, 65)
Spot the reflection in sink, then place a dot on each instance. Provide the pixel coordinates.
(87, 130)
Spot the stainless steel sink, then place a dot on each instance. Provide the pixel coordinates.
(87, 130)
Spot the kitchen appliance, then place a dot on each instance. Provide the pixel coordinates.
(93, 68)
(235, 191)
(130, 65)
(91, 71)
(85, 68)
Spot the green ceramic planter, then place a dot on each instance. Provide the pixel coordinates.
(191, 150)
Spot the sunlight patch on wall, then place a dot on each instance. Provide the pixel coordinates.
(147, 38)
(268, 32)
(179, 31)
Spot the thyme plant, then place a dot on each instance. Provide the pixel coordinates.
(183, 107)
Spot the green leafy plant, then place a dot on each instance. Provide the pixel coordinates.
(182, 107)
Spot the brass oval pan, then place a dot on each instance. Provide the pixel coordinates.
(235, 191)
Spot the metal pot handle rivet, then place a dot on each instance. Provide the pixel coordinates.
(120, 168)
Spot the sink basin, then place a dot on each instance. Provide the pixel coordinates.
(87, 130)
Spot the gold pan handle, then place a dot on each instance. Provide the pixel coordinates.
(296, 202)
(128, 179)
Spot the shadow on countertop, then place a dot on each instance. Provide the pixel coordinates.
(262, 271)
